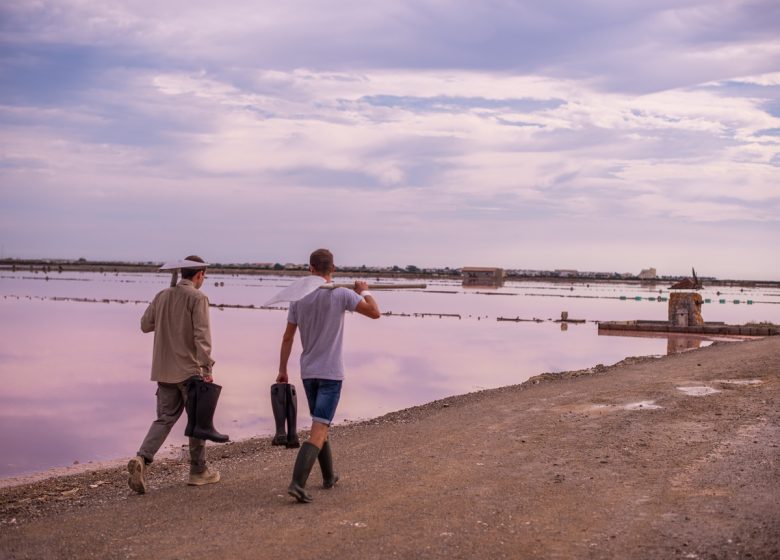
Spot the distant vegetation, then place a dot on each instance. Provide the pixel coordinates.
(409, 270)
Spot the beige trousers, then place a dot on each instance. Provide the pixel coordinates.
(171, 398)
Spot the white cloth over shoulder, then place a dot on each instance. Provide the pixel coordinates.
(297, 290)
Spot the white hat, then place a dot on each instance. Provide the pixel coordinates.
(183, 263)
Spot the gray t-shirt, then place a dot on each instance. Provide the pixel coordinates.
(320, 318)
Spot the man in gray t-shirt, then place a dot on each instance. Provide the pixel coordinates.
(320, 318)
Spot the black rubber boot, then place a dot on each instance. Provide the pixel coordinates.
(205, 405)
(190, 406)
(292, 417)
(279, 407)
(303, 464)
(329, 476)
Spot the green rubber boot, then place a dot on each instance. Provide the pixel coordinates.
(303, 464)
(329, 477)
(291, 404)
(279, 408)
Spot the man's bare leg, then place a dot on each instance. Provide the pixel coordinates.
(318, 434)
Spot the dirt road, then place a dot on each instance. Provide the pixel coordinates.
(614, 462)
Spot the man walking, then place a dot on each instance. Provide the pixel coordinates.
(179, 318)
(320, 318)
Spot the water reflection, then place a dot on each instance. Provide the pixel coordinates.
(677, 343)
(76, 375)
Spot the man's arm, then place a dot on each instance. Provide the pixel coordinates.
(368, 305)
(284, 355)
(201, 332)
(147, 320)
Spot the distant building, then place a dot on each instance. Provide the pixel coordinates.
(482, 276)
(648, 274)
(565, 273)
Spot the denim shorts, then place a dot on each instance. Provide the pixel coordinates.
(323, 397)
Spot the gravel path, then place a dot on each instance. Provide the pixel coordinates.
(610, 462)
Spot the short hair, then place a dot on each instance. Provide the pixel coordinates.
(189, 273)
(321, 261)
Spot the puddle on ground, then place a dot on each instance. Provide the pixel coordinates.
(699, 391)
(726, 383)
(600, 408)
(607, 408)
(642, 405)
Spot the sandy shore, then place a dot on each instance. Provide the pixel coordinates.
(676, 457)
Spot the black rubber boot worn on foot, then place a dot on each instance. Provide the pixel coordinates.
(205, 405)
(329, 476)
(279, 408)
(292, 417)
(303, 464)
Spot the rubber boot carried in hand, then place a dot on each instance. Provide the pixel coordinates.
(190, 406)
(325, 458)
(206, 397)
(303, 464)
(279, 408)
(292, 417)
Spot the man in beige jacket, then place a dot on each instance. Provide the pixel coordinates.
(179, 318)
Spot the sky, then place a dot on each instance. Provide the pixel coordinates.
(597, 135)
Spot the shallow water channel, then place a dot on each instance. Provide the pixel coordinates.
(75, 366)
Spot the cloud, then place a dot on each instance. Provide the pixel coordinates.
(632, 45)
(452, 118)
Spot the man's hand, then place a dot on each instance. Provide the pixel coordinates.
(360, 286)
(284, 353)
(208, 378)
(368, 305)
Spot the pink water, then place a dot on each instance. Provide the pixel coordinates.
(76, 375)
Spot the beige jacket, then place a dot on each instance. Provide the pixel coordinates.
(179, 317)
